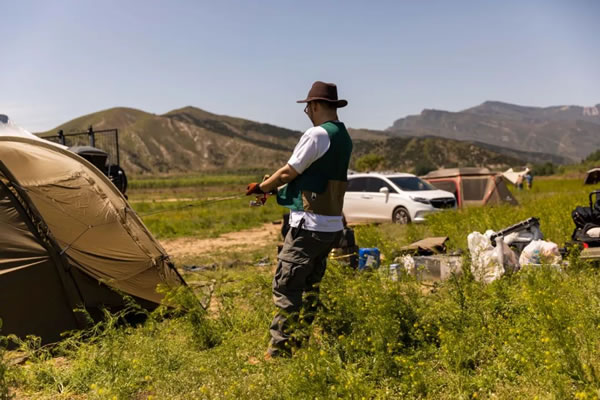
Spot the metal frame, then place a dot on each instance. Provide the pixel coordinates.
(62, 138)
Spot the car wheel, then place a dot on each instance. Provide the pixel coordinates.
(401, 216)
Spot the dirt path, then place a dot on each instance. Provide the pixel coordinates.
(255, 237)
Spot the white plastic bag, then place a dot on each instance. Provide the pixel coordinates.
(489, 263)
(594, 232)
(539, 252)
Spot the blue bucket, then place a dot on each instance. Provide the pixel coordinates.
(368, 257)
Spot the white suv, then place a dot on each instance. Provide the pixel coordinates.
(401, 198)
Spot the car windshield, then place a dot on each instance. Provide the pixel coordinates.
(411, 183)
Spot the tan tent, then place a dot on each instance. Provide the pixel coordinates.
(472, 186)
(592, 177)
(67, 239)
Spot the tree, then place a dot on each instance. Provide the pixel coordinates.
(422, 167)
(369, 162)
(544, 169)
(595, 156)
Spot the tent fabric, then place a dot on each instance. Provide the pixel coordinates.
(472, 186)
(513, 176)
(501, 194)
(93, 228)
(8, 128)
(452, 172)
(592, 177)
(32, 298)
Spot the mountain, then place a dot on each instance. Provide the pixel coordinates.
(193, 140)
(419, 155)
(189, 139)
(571, 132)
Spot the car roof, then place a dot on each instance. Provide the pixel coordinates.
(382, 175)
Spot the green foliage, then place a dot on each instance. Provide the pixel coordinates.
(544, 169)
(594, 157)
(205, 218)
(533, 334)
(4, 392)
(369, 162)
(194, 180)
(423, 167)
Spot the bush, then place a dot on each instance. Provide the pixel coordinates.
(594, 157)
(369, 162)
(530, 334)
(4, 387)
(544, 169)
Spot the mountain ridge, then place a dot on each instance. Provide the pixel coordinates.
(192, 139)
(567, 131)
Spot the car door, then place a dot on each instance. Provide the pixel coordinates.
(379, 206)
(354, 207)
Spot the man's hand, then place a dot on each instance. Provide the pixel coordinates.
(253, 188)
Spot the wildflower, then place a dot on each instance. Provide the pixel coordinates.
(93, 386)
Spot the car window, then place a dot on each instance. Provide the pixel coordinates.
(375, 184)
(411, 183)
(357, 185)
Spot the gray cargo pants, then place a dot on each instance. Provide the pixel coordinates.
(302, 263)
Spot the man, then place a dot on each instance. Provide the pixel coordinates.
(316, 178)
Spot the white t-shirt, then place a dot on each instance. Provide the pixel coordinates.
(312, 146)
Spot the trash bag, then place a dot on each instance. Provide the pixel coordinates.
(489, 263)
(540, 252)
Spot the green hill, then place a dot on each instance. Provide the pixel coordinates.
(193, 140)
(189, 139)
(420, 155)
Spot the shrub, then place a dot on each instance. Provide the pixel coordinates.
(369, 162)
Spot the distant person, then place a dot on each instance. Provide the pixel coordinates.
(529, 179)
(316, 178)
(519, 183)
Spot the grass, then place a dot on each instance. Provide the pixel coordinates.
(533, 334)
(241, 179)
(202, 214)
(205, 218)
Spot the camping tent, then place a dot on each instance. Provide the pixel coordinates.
(8, 128)
(472, 186)
(592, 177)
(68, 238)
(513, 176)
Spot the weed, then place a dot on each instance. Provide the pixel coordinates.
(533, 334)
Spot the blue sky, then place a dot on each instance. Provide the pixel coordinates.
(253, 59)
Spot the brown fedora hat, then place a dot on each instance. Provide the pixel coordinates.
(324, 92)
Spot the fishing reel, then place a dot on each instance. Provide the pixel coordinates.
(260, 200)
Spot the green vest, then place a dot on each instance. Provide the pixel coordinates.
(321, 187)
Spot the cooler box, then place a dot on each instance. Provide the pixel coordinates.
(368, 257)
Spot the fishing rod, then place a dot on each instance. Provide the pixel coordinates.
(260, 201)
(203, 203)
